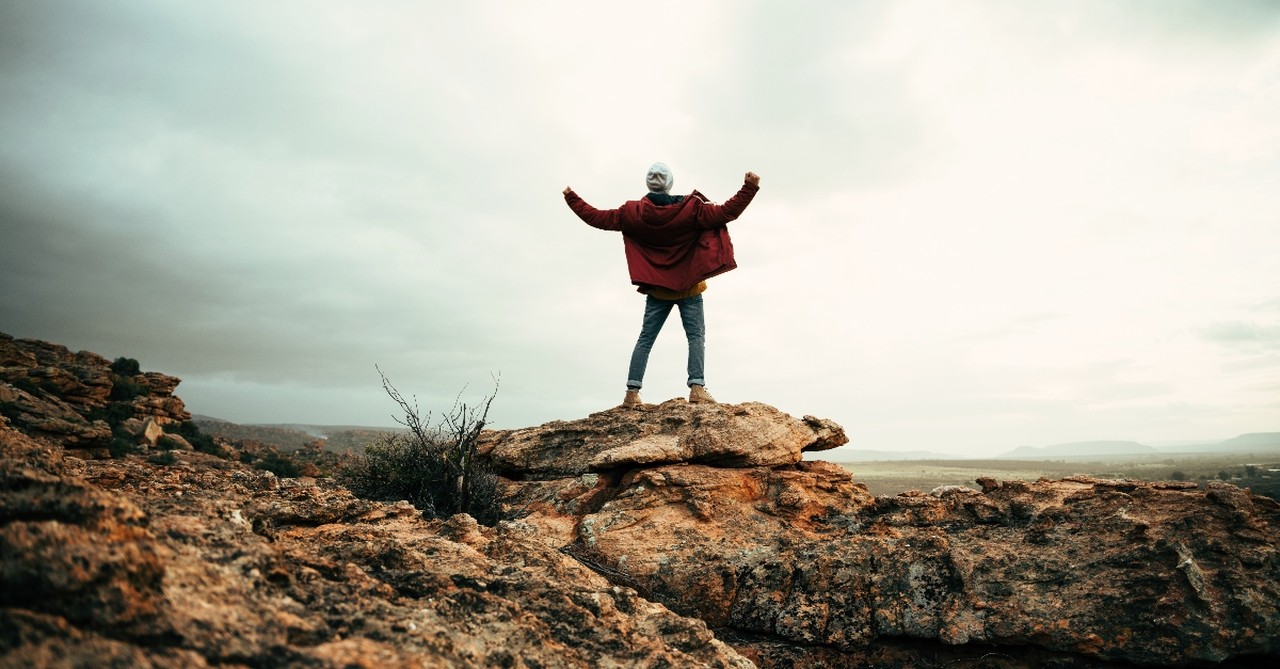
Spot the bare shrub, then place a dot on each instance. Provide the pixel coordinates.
(435, 467)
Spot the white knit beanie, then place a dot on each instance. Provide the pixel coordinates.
(659, 178)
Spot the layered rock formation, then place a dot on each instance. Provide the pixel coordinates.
(202, 562)
(77, 400)
(675, 535)
(795, 561)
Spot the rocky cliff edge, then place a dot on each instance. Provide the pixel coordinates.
(710, 510)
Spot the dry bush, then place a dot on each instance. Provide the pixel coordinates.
(435, 467)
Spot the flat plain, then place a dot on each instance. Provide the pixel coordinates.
(1257, 471)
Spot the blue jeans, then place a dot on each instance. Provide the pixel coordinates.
(695, 330)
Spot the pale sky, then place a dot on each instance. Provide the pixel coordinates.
(981, 225)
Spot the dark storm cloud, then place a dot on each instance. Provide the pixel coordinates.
(86, 83)
(263, 319)
(162, 161)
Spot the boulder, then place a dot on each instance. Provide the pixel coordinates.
(160, 385)
(750, 434)
(162, 409)
(149, 432)
(174, 442)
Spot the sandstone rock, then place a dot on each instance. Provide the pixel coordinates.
(827, 434)
(14, 356)
(47, 390)
(160, 385)
(798, 556)
(174, 442)
(1119, 571)
(74, 551)
(148, 432)
(728, 435)
(50, 417)
(81, 380)
(162, 409)
(205, 562)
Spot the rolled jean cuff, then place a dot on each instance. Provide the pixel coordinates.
(633, 385)
(697, 382)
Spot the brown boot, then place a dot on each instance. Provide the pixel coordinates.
(632, 399)
(699, 395)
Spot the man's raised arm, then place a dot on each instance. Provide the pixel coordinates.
(605, 219)
(719, 214)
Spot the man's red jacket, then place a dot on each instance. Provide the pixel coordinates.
(673, 246)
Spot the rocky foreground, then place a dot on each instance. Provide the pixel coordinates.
(675, 535)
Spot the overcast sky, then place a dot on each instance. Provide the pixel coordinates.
(980, 225)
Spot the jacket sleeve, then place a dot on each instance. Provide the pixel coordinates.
(716, 215)
(605, 219)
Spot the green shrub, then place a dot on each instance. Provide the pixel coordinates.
(435, 469)
(164, 458)
(121, 446)
(124, 389)
(278, 464)
(200, 441)
(112, 414)
(126, 367)
(168, 443)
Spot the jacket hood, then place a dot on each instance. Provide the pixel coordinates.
(663, 225)
(657, 214)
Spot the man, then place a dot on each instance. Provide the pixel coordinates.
(673, 244)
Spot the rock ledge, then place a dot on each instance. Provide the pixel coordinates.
(750, 434)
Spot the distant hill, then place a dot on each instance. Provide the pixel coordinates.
(1080, 449)
(1254, 441)
(291, 437)
(282, 438)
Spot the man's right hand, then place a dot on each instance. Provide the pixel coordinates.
(566, 190)
(752, 178)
